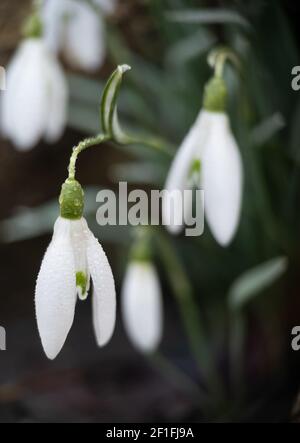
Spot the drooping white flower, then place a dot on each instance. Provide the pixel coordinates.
(78, 30)
(210, 144)
(142, 306)
(34, 105)
(73, 257)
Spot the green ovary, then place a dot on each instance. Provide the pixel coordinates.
(82, 283)
(71, 200)
(195, 172)
(215, 95)
(195, 167)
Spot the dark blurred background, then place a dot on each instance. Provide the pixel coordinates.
(117, 384)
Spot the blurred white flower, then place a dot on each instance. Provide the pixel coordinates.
(54, 15)
(222, 179)
(73, 257)
(180, 175)
(142, 306)
(34, 105)
(78, 30)
(210, 146)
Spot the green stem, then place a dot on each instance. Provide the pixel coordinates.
(220, 65)
(33, 25)
(237, 331)
(219, 57)
(85, 144)
(151, 142)
(178, 377)
(183, 292)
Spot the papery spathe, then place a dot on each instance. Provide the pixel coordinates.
(34, 105)
(73, 257)
(142, 306)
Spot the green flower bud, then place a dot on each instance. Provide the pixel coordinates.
(215, 96)
(140, 253)
(195, 172)
(141, 250)
(71, 200)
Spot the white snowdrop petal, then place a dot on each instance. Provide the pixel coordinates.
(104, 296)
(58, 100)
(178, 176)
(223, 180)
(29, 108)
(79, 234)
(53, 14)
(14, 101)
(142, 306)
(55, 296)
(84, 38)
(36, 98)
(13, 74)
(107, 6)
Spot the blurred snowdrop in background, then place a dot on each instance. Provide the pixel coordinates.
(209, 158)
(76, 28)
(34, 105)
(182, 171)
(142, 305)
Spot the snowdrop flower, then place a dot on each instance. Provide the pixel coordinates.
(78, 30)
(34, 105)
(142, 306)
(210, 151)
(72, 259)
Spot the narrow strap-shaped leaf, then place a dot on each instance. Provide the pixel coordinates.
(109, 115)
(254, 281)
(205, 16)
(267, 129)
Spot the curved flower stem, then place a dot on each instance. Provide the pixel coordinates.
(101, 138)
(218, 59)
(152, 143)
(220, 65)
(85, 144)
